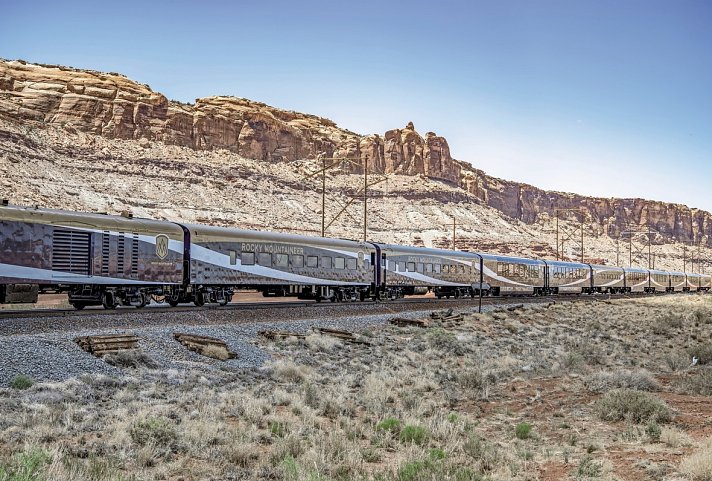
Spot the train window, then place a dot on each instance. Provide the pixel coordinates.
(411, 267)
(312, 261)
(461, 269)
(419, 267)
(297, 260)
(437, 268)
(351, 263)
(247, 258)
(264, 259)
(339, 263)
(428, 268)
(281, 260)
(233, 258)
(326, 262)
(360, 259)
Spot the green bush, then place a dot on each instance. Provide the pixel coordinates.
(389, 424)
(437, 454)
(21, 382)
(523, 431)
(633, 406)
(653, 430)
(154, 432)
(700, 383)
(414, 434)
(277, 428)
(588, 468)
(27, 466)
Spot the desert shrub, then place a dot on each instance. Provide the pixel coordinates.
(523, 431)
(572, 361)
(701, 315)
(653, 430)
(26, 466)
(485, 454)
(445, 341)
(674, 438)
(677, 361)
(603, 381)
(703, 353)
(131, 358)
(389, 424)
(699, 383)
(588, 468)
(664, 323)
(288, 447)
(154, 431)
(413, 435)
(634, 406)
(286, 371)
(698, 465)
(21, 382)
(277, 428)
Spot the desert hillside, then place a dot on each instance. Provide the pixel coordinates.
(102, 142)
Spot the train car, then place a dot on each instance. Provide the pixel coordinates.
(96, 258)
(568, 277)
(678, 282)
(694, 282)
(706, 282)
(222, 259)
(608, 279)
(504, 275)
(415, 270)
(636, 280)
(659, 281)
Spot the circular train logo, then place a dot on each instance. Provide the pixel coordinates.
(161, 246)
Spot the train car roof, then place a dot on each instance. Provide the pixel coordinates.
(601, 266)
(218, 232)
(566, 263)
(502, 258)
(635, 269)
(427, 251)
(85, 219)
(658, 271)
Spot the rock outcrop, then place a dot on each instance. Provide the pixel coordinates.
(113, 106)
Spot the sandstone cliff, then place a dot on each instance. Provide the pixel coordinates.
(115, 107)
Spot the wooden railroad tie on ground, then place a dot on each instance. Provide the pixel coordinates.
(100, 345)
(447, 316)
(343, 335)
(274, 335)
(403, 322)
(206, 346)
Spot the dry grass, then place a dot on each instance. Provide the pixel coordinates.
(698, 466)
(483, 400)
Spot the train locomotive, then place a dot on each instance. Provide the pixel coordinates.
(110, 260)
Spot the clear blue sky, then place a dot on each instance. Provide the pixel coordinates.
(600, 97)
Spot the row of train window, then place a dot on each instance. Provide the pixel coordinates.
(511, 270)
(267, 259)
(570, 273)
(429, 268)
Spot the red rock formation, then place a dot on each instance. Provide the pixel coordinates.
(113, 106)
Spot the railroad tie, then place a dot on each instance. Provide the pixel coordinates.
(105, 344)
(205, 345)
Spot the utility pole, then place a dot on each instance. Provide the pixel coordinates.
(365, 198)
(567, 235)
(581, 237)
(453, 233)
(323, 195)
(618, 243)
(649, 246)
(556, 212)
(630, 247)
(684, 257)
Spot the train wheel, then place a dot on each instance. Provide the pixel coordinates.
(108, 301)
(199, 300)
(144, 301)
(78, 305)
(173, 303)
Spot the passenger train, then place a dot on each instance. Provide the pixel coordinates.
(109, 260)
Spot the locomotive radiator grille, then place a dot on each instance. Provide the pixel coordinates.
(134, 255)
(120, 254)
(105, 245)
(70, 251)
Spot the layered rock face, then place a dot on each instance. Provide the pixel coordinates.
(113, 106)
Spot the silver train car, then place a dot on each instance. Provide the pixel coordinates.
(110, 260)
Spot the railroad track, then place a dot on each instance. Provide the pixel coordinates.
(56, 320)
